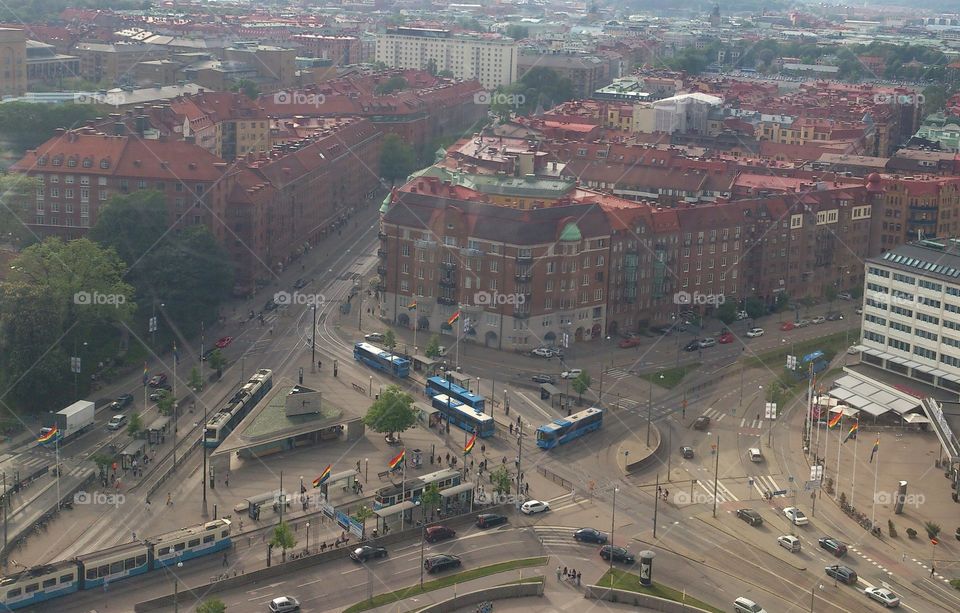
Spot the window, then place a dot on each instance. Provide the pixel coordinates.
(405, 250)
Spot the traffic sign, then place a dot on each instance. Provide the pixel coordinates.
(779, 493)
(813, 484)
(816, 473)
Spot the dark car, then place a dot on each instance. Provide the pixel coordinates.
(270, 305)
(443, 561)
(835, 316)
(842, 573)
(693, 345)
(489, 520)
(619, 554)
(702, 423)
(158, 380)
(750, 516)
(125, 400)
(362, 554)
(542, 379)
(832, 545)
(300, 283)
(687, 452)
(590, 535)
(439, 533)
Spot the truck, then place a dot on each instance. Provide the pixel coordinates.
(71, 421)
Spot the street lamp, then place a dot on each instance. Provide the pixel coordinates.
(176, 590)
(613, 517)
(650, 408)
(308, 537)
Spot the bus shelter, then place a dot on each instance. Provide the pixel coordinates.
(255, 503)
(457, 499)
(158, 430)
(133, 451)
(459, 378)
(339, 483)
(395, 517)
(426, 414)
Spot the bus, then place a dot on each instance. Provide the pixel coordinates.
(564, 430)
(378, 358)
(413, 488)
(225, 421)
(439, 385)
(463, 417)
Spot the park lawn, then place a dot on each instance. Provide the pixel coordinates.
(671, 377)
(622, 580)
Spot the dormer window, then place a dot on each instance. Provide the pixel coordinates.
(104, 164)
(72, 162)
(87, 162)
(58, 161)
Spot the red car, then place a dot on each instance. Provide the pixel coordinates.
(725, 338)
(629, 342)
(223, 342)
(787, 326)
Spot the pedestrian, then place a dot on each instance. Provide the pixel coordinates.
(169, 500)
(358, 465)
(471, 464)
(319, 364)
(579, 574)
(504, 460)
(518, 421)
(226, 480)
(448, 457)
(933, 570)
(241, 525)
(565, 572)
(666, 495)
(558, 573)
(134, 537)
(360, 486)
(224, 559)
(526, 487)
(483, 448)
(511, 428)
(659, 491)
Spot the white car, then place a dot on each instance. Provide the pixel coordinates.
(374, 337)
(116, 422)
(796, 516)
(852, 350)
(884, 596)
(741, 315)
(284, 604)
(819, 319)
(543, 352)
(534, 506)
(754, 332)
(789, 542)
(573, 373)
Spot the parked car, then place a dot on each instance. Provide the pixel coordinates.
(284, 604)
(116, 422)
(373, 337)
(832, 545)
(158, 380)
(590, 535)
(693, 345)
(619, 554)
(842, 573)
(724, 339)
(754, 332)
(439, 533)
(223, 342)
(156, 395)
(884, 596)
(789, 542)
(707, 342)
(687, 452)
(834, 316)
(819, 319)
(803, 323)
(852, 350)
(532, 507)
(701, 423)
(435, 564)
(542, 378)
(745, 605)
(124, 400)
(627, 343)
(750, 516)
(366, 552)
(786, 326)
(796, 516)
(573, 373)
(858, 311)
(543, 352)
(741, 315)
(300, 283)
(489, 520)
(845, 296)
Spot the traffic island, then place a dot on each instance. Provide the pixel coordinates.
(634, 453)
(620, 586)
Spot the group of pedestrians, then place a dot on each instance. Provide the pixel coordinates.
(570, 574)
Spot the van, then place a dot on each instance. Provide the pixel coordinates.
(789, 542)
(745, 605)
(755, 455)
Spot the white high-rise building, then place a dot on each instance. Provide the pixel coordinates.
(488, 58)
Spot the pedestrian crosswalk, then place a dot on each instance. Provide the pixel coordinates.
(714, 414)
(753, 424)
(556, 536)
(755, 486)
(616, 373)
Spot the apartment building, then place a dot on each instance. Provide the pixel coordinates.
(13, 62)
(487, 58)
(114, 62)
(587, 73)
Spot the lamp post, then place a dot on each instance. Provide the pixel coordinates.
(176, 590)
(613, 517)
(650, 408)
(308, 537)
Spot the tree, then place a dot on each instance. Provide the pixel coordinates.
(135, 426)
(102, 460)
(432, 66)
(217, 362)
(517, 32)
(283, 538)
(446, 74)
(397, 159)
(433, 347)
(391, 412)
(581, 384)
(165, 404)
(212, 605)
(132, 224)
(932, 528)
(393, 84)
(755, 307)
(500, 477)
(727, 312)
(389, 340)
(830, 293)
(26, 125)
(430, 499)
(16, 193)
(196, 379)
(247, 87)
(362, 515)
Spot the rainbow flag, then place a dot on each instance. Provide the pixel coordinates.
(396, 461)
(49, 436)
(853, 431)
(469, 446)
(323, 476)
(835, 420)
(412, 305)
(146, 374)
(453, 318)
(876, 448)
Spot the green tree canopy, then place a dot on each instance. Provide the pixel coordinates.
(433, 347)
(581, 384)
(727, 312)
(283, 538)
(135, 425)
(25, 125)
(500, 477)
(133, 225)
(393, 84)
(392, 412)
(397, 159)
(389, 339)
(217, 362)
(212, 605)
(517, 32)
(16, 200)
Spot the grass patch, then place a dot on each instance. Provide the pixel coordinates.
(622, 580)
(536, 579)
(671, 377)
(428, 586)
(777, 358)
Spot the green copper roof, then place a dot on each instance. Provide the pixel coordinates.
(571, 233)
(386, 203)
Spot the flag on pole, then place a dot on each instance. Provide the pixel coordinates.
(399, 458)
(876, 448)
(469, 446)
(48, 435)
(412, 305)
(146, 374)
(176, 354)
(853, 431)
(323, 476)
(453, 318)
(835, 420)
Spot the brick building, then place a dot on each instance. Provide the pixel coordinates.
(13, 62)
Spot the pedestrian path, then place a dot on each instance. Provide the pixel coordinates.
(869, 559)
(751, 424)
(552, 537)
(714, 414)
(617, 373)
(763, 484)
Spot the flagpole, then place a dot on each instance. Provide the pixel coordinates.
(819, 416)
(457, 323)
(826, 443)
(403, 485)
(57, 451)
(839, 445)
(856, 446)
(876, 472)
(416, 322)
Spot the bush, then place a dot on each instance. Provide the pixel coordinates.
(955, 583)
(891, 528)
(933, 529)
(911, 533)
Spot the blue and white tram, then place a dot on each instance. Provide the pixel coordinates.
(192, 542)
(113, 564)
(38, 584)
(221, 424)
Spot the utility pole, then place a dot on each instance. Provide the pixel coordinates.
(716, 475)
(203, 511)
(283, 499)
(656, 507)
(313, 339)
(5, 506)
(519, 455)
(649, 410)
(613, 517)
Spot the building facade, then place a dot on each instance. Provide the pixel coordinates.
(13, 62)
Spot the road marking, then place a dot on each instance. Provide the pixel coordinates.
(534, 405)
(743, 422)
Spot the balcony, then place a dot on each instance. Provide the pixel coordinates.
(446, 301)
(528, 258)
(451, 266)
(382, 253)
(922, 222)
(923, 207)
(422, 244)
(447, 282)
(521, 314)
(522, 277)
(381, 270)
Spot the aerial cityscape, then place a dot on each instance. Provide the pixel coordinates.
(515, 305)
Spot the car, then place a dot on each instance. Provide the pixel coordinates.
(787, 326)
(573, 373)
(439, 533)
(373, 337)
(300, 283)
(858, 311)
(687, 452)
(206, 354)
(158, 394)
(223, 342)
(724, 339)
(542, 378)
(741, 315)
(284, 604)
(124, 400)
(832, 545)
(842, 573)
(627, 343)
(852, 350)
(619, 554)
(745, 605)
(750, 516)
(789, 542)
(489, 520)
(590, 535)
(366, 552)
(701, 423)
(803, 323)
(116, 422)
(270, 305)
(819, 319)
(443, 561)
(707, 342)
(693, 345)
(796, 516)
(834, 316)
(845, 296)
(531, 507)
(754, 332)
(884, 596)
(543, 352)
(158, 380)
